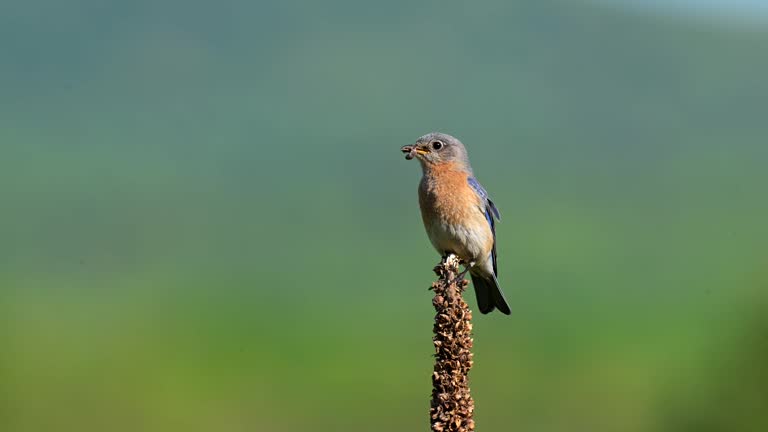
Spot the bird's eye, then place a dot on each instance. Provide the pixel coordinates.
(437, 145)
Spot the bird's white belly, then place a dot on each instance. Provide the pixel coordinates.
(467, 243)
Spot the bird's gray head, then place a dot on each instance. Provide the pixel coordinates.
(435, 149)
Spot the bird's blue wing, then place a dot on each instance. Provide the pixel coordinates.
(480, 191)
(490, 211)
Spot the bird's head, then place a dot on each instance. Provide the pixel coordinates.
(437, 148)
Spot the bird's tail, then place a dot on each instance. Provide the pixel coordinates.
(489, 295)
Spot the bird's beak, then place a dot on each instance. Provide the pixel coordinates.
(412, 150)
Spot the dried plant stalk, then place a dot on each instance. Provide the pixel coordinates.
(452, 406)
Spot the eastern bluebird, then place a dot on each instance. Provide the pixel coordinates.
(457, 213)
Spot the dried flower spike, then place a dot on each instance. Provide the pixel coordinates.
(452, 406)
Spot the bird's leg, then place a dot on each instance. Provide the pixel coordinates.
(467, 267)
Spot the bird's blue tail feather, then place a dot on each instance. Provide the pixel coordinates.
(489, 295)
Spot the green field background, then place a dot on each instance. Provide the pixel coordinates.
(206, 223)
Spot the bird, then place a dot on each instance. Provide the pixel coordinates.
(458, 214)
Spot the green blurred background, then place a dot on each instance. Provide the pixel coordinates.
(207, 223)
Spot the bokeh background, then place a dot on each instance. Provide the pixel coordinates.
(207, 223)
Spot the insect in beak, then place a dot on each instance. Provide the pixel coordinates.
(409, 151)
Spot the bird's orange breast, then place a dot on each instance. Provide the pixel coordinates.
(445, 196)
(453, 214)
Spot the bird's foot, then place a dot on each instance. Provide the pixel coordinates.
(459, 280)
